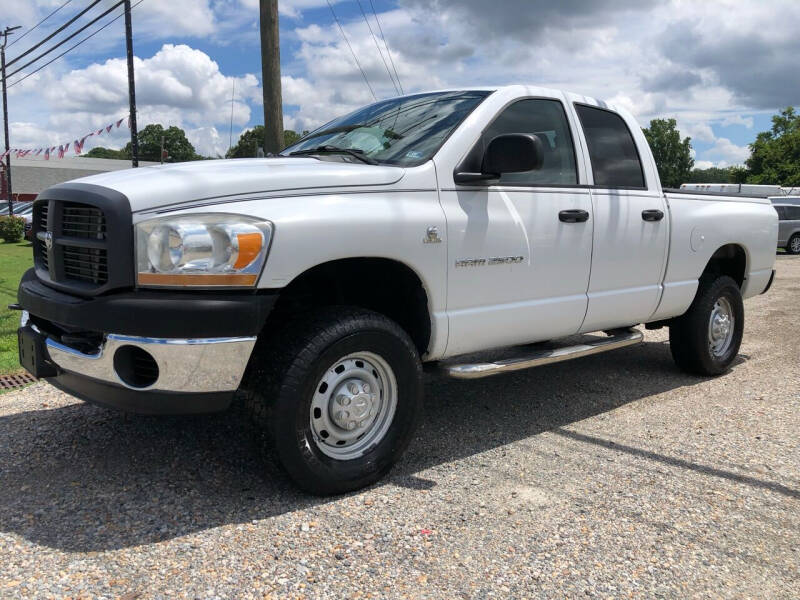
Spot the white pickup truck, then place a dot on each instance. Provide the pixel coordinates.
(418, 229)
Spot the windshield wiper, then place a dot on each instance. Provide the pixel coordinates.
(328, 149)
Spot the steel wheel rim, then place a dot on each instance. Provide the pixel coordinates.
(721, 327)
(795, 244)
(353, 405)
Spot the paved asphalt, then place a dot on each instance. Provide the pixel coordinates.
(611, 476)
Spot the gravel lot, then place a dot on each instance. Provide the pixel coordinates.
(612, 476)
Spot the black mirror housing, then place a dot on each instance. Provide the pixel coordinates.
(513, 153)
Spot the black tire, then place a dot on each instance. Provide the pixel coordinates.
(282, 379)
(689, 334)
(793, 241)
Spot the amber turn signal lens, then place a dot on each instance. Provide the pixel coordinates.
(249, 248)
(226, 279)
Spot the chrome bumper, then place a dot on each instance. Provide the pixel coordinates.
(184, 365)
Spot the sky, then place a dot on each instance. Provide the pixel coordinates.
(721, 68)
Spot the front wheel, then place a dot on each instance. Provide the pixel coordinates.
(338, 393)
(793, 247)
(706, 339)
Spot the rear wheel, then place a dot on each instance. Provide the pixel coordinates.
(338, 393)
(706, 339)
(793, 247)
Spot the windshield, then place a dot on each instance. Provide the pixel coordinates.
(403, 131)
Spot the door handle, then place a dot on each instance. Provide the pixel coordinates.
(652, 214)
(573, 215)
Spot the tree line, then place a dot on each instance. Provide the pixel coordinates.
(774, 155)
(177, 147)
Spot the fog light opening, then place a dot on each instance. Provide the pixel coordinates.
(136, 367)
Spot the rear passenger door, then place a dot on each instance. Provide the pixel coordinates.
(630, 223)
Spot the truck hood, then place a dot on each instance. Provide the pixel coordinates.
(167, 185)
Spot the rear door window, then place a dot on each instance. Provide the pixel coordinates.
(615, 160)
(792, 213)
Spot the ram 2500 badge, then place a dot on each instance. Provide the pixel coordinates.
(417, 229)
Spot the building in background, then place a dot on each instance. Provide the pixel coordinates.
(29, 177)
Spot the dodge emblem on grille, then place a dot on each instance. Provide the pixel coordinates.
(48, 240)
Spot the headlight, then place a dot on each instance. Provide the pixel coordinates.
(205, 250)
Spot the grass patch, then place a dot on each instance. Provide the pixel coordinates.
(15, 259)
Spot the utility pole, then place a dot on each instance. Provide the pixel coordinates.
(5, 33)
(131, 86)
(271, 76)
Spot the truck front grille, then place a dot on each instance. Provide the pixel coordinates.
(70, 244)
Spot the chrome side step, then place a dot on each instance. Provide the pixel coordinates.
(616, 339)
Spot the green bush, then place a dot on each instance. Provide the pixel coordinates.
(12, 228)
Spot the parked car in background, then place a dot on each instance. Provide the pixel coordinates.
(788, 226)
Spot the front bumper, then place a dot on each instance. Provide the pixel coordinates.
(142, 351)
(179, 376)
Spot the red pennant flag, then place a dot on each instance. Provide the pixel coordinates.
(78, 146)
(47, 154)
(109, 128)
(99, 131)
(120, 122)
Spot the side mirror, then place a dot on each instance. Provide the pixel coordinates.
(507, 153)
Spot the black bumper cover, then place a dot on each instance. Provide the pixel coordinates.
(161, 314)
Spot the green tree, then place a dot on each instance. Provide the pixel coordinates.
(176, 146)
(775, 154)
(101, 152)
(252, 139)
(717, 175)
(673, 156)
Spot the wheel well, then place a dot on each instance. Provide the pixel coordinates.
(730, 260)
(383, 285)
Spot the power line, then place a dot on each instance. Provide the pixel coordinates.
(91, 35)
(65, 40)
(39, 23)
(385, 43)
(364, 75)
(56, 32)
(374, 39)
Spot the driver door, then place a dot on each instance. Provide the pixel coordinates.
(518, 270)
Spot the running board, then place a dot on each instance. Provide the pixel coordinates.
(617, 339)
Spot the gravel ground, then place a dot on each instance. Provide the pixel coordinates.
(613, 476)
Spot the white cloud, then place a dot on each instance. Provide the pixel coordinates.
(738, 120)
(703, 164)
(726, 153)
(178, 85)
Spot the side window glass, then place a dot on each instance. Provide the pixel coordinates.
(547, 120)
(615, 161)
(781, 213)
(794, 212)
